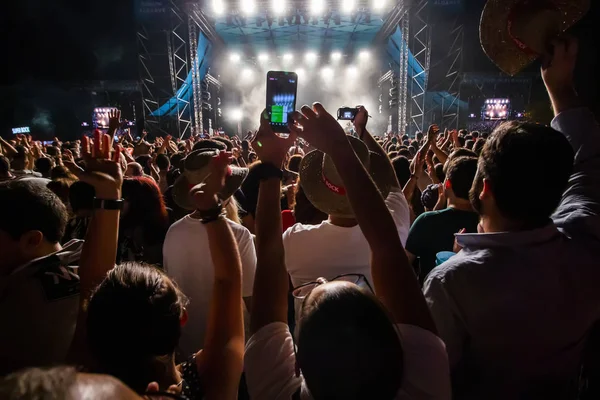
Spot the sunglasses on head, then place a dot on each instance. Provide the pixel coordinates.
(302, 291)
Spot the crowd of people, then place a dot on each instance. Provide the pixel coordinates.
(313, 266)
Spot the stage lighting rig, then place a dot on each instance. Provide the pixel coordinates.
(364, 54)
(234, 57)
(248, 6)
(336, 56)
(218, 7)
(317, 7)
(278, 7)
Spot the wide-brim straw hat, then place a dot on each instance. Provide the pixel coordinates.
(324, 188)
(514, 33)
(196, 170)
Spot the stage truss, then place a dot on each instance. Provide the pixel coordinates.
(176, 46)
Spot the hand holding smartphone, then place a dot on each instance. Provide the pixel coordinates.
(282, 90)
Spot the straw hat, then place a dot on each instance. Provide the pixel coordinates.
(323, 186)
(514, 33)
(196, 170)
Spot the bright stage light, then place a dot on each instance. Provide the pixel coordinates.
(336, 56)
(263, 57)
(378, 4)
(300, 72)
(248, 6)
(311, 56)
(247, 74)
(288, 57)
(236, 114)
(317, 6)
(351, 71)
(278, 7)
(364, 54)
(234, 57)
(348, 6)
(218, 7)
(327, 72)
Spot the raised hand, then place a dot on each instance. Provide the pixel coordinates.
(204, 194)
(114, 120)
(360, 121)
(102, 169)
(432, 133)
(269, 147)
(319, 128)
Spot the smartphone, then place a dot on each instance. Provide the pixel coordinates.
(282, 89)
(347, 113)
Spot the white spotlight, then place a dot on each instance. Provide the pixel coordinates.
(278, 7)
(248, 6)
(236, 114)
(300, 72)
(317, 6)
(263, 57)
(327, 72)
(234, 57)
(247, 74)
(378, 4)
(352, 71)
(288, 57)
(311, 56)
(336, 56)
(218, 7)
(348, 6)
(364, 54)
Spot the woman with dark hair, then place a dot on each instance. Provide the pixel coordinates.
(144, 223)
(132, 324)
(350, 344)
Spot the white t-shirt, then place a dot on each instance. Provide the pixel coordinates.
(327, 250)
(271, 375)
(187, 260)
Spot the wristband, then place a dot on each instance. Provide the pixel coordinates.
(266, 171)
(101, 204)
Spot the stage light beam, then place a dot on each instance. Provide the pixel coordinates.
(352, 71)
(236, 114)
(317, 6)
(278, 7)
(218, 7)
(300, 72)
(378, 4)
(234, 57)
(364, 54)
(263, 57)
(311, 56)
(288, 57)
(336, 56)
(327, 72)
(248, 6)
(348, 6)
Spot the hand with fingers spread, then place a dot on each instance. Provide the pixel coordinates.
(319, 128)
(102, 169)
(205, 193)
(114, 121)
(269, 147)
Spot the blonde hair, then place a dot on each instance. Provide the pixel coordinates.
(231, 210)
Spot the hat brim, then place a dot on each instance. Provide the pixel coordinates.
(329, 202)
(495, 37)
(181, 188)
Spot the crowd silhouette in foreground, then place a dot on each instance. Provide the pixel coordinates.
(316, 266)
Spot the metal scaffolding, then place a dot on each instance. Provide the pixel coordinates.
(403, 75)
(451, 112)
(198, 126)
(421, 49)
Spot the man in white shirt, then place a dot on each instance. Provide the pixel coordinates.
(186, 252)
(337, 246)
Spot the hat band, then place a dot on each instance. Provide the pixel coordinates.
(333, 187)
(509, 25)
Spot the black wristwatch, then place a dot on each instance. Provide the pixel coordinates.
(102, 204)
(266, 171)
